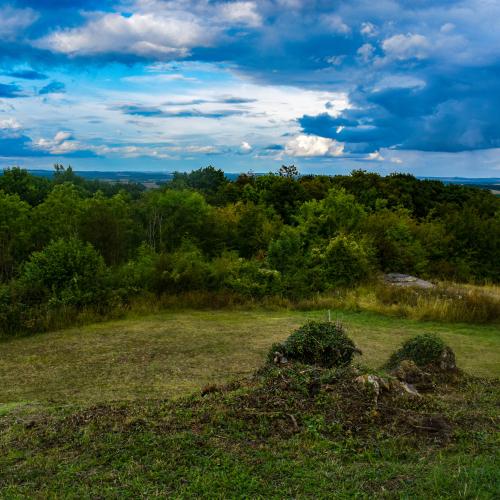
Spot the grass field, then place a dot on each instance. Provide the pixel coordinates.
(87, 413)
(175, 353)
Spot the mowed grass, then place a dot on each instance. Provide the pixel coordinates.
(175, 353)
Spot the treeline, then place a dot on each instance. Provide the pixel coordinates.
(70, 242)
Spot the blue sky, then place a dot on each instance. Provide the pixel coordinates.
(408, 85)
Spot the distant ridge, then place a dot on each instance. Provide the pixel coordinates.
(161, 177)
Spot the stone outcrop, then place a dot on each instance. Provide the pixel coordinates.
(406, 280)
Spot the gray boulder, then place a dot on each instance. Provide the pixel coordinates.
(406, 280)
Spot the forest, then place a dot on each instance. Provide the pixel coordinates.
(71, 244)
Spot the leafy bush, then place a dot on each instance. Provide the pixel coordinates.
(346, 262)
(423, 350)
(137, 275)
(183, 270)
(248, 278)
(318, 343)
(66, 272)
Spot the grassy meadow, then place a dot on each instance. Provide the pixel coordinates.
(115, 410)
(174, 353)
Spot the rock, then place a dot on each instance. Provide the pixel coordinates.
(381, 384)
(409, 373)
(447, 361)
(409, 389)
(279, 358)
(406, 280)
(372, 380)
(378, 383)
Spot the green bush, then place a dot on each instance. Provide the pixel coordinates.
(345, 262)
(65, 272)
(423, 350)
(184, 270)
(250, 278)
(318, 343)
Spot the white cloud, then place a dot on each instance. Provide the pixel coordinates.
(368, 29)
(244, 13)
(335, 60)
(10, 124)
(406, 46)
(375, 156)
(366, 51)
(61, 136)
(147, 35)
(62, 143)
(447, 27)
(311, 145)
(245, 147)
(13, 21)
(336, 24)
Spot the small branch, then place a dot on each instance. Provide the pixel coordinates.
(294, 422)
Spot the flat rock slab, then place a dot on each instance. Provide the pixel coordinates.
(398, 279)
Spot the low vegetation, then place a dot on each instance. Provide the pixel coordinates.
(292, 429)
(423, 350)
(319, 343)
(169, 354)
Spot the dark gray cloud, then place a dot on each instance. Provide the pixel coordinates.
(449, 113)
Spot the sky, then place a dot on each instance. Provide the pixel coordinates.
(329, 86)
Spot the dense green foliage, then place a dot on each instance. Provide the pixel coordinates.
(64, 272)
(319, 343)
(423, 350)
(261, 235)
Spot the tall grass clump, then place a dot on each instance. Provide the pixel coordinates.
(442, 303)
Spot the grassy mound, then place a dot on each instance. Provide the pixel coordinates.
(289, 431)
(425, 350)
(319, 343)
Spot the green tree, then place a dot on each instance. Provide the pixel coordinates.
(345, 262)
(395, 237)
(59, 215)
(173, 216)
(30, 188)
(109, 225)
(284, 194)
(209, 180)
(14, 233)
(256, 226)
(337, 212)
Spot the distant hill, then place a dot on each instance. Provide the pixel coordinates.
(152, 179)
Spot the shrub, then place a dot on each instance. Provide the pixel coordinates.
(423, 350)
(346, 262)
(65, 272)
(320, 343)
(181, 271)
(137, 275)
